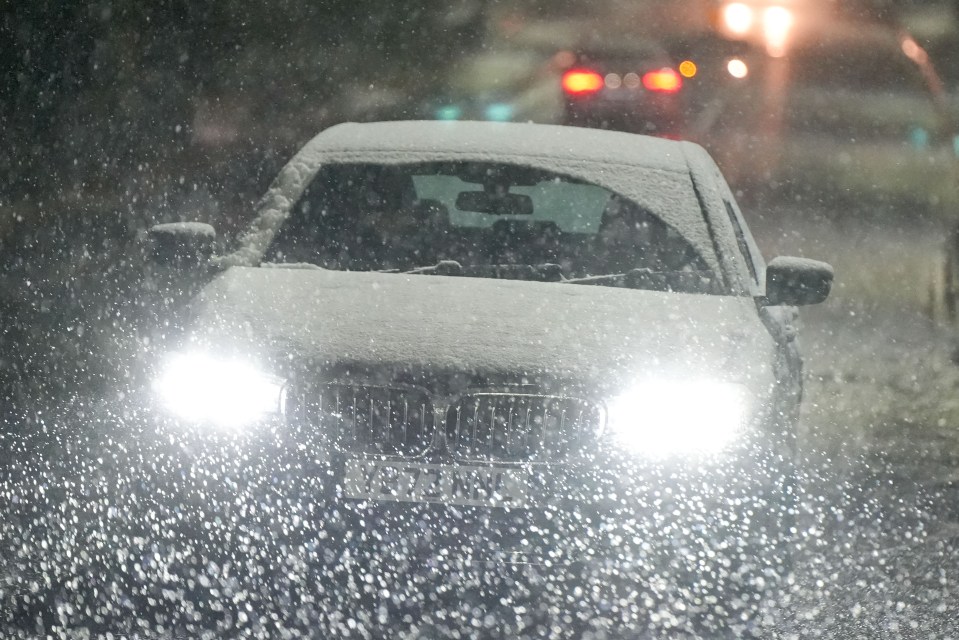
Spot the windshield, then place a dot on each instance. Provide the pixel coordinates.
(389, 217)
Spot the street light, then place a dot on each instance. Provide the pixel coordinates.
(777, 23)
(768, 22)
(738, 18)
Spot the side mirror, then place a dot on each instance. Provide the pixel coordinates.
(182, 245)
(797, 281)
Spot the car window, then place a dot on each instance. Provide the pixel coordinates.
(381, 217)
(574, 207)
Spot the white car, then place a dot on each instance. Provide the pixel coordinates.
(554, 353)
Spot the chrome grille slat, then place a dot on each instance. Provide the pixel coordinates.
(475, 422)
(545, 428)
(509, 428)
(527, 431)
(490, 433)
(516, 427)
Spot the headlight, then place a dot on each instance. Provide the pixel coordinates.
(664, 417)
(227, 393)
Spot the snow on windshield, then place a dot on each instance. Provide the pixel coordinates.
(651, 173)
(403, 217)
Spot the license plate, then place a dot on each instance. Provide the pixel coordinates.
(444, 484)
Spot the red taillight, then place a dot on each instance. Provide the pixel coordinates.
(579, 82)
(664, 80)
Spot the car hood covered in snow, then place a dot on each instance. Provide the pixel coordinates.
(596, 336)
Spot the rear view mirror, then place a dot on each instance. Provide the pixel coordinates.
(182, 244)
(498, 204)
(797, 281)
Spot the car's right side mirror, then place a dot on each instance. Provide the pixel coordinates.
(797, 281)
(182, 245)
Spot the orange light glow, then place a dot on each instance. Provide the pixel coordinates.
(664, 80)
(579, 82)
(687, 68)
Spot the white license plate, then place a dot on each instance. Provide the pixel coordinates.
(445, 484)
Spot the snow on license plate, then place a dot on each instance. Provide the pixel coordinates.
(446, 484)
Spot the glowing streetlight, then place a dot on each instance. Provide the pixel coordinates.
(777, 23)
(738, 18)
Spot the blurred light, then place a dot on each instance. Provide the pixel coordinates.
(737, 68)
(910, 47)
(499, 112)
(913, 51)
(777, 23)
(449, 112)
(582, 82)
(664, 80)
(564, 59)
(919, 138)
(631, 80)
(669, 417)
(227, 393)
(613, 81)
(687, 68)
(738, 18)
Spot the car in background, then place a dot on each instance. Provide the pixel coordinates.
(467, 371)
(636, 88)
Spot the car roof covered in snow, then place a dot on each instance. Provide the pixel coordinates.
(653, 172)
(503, 140)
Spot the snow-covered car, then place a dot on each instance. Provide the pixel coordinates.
(551, 352)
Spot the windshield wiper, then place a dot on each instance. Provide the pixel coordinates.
(685, 281)
(602, 279)
(441, 268)
(547, 272)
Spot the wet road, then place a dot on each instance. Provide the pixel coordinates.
(880, 433)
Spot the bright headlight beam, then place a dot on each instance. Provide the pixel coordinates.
(660, 418)
(227, 393)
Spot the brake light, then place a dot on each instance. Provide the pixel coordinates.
(579, 82)
(664, 80)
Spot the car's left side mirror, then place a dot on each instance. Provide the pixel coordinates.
(797, 281)
(182, 245)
